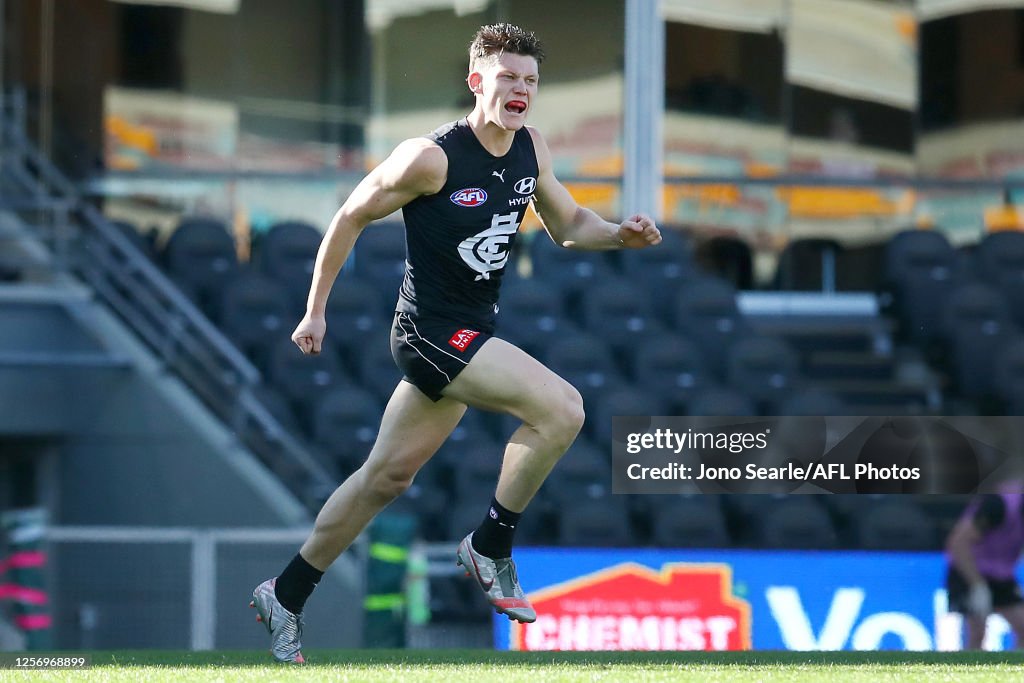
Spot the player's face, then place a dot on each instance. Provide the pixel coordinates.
(505, 89)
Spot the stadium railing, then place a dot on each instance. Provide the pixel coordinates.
(173, 583)
(84, 243)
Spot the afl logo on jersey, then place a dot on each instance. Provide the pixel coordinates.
(526, 186)
(470, 196)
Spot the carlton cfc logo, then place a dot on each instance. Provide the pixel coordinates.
(487, 251)
(470, 196)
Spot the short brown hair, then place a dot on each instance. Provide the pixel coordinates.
(494, 39)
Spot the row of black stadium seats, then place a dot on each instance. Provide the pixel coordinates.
(253, 309)
(616, 310)
(766, 369)
(763, 377)
(698, 521)
(201, 256)
(201, 252)
(855, 522)
(343, 423)
(966, 308)
(923, 270)
(342, 420)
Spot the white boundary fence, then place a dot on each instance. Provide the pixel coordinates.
(203, 544)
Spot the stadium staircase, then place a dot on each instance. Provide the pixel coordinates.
(847, 349)
(76, 247)
(165, 478)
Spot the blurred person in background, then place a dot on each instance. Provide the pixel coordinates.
(463, 190)
(982, 551)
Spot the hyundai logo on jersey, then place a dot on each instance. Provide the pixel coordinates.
(526, 186)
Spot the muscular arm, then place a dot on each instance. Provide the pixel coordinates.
(575, 227)
(416, 167)
(960, 543)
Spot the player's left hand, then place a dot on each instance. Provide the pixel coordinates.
(639, 231)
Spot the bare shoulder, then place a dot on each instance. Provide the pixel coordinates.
(540, 146)
(538, 139)
(417, 163)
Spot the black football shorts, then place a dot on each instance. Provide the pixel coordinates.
(1005, 592)
(432, 351)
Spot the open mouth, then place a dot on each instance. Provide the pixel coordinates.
(516, 107)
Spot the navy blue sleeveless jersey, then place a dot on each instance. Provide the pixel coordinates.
(458, 241)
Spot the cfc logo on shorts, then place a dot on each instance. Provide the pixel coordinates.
(462, 338)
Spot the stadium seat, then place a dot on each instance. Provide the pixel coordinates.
(583, 473)
(357, 311)
(379, 257)
(624, 401)
(694, 521)
(621, 313)
(370, 360)
(586, 362)
(287, 254)
(728, 258)
(1008, 375)
(920, 272)
(345, 423)
(743, 513)
(977, 323)
(477, 469)
(255, 313)
(797, 522)
(810, 264)
(535, 526)
(811, 401)
(721, 401)
(846, 508)
(763, 368)
(144, 242)
(428, 503)
(944, 511)
(278, 407)
(472, 434)
(895, 524)
(302, 379)
(708, 314)
(671, 367)
(999, 260)
(200, 258)
(660, 274)
(596, 524)
(568, 270)
(465, 514)
(533, 315)
(503, 425)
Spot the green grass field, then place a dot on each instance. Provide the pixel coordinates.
(501, 667)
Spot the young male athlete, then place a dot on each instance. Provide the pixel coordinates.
(982, 551)
(463, 191)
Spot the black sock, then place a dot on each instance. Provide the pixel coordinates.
(493, 538)
(296, 583)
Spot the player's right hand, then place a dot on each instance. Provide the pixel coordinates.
(309, 334)
(979, 600)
